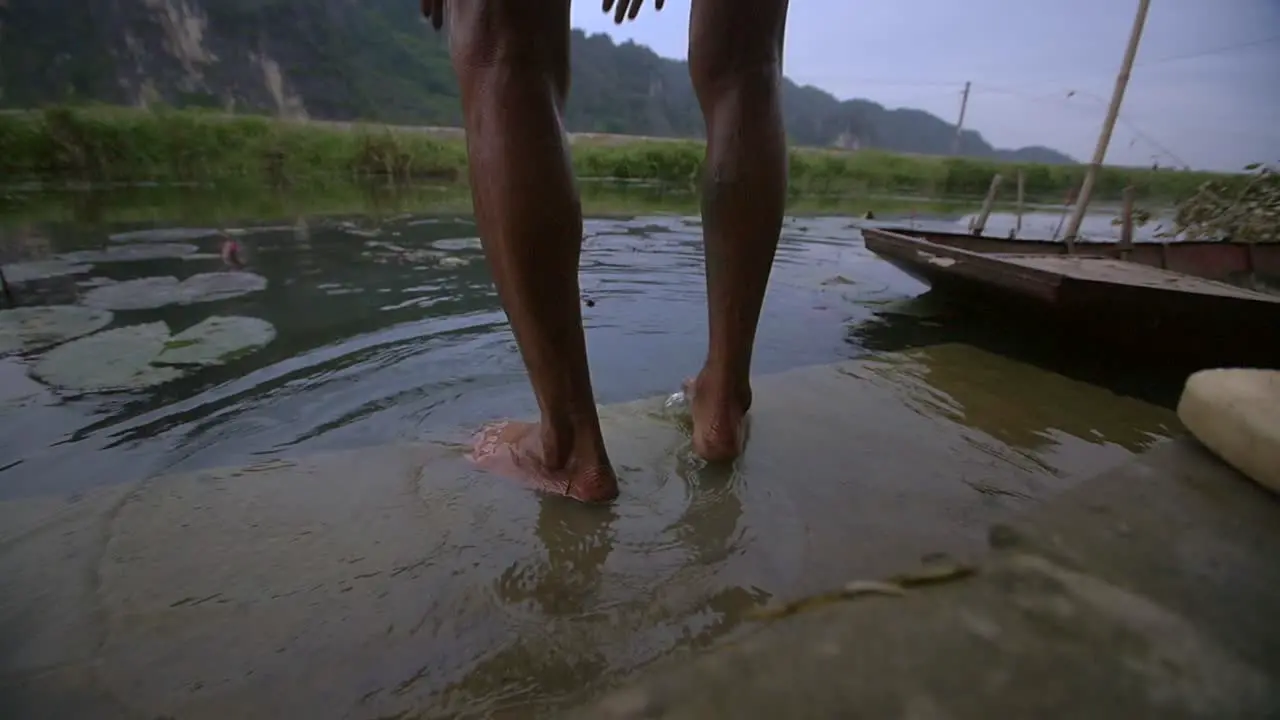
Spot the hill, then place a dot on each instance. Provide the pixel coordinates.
(375, 60)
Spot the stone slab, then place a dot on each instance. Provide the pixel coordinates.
(387, 580)
(1148, 592)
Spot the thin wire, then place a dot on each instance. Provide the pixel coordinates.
(1207, 53)
(960, 83)
(1129, 124)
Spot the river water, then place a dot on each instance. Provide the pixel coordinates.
(388, 330)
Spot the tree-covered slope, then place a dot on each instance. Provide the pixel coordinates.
(376, 60)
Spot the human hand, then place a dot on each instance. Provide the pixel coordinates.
(626, 9)
(434, 10)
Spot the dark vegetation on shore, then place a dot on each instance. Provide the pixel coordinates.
(121, 145)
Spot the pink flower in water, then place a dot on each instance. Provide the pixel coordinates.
(231, 253)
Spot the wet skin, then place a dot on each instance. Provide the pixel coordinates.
(512, 62)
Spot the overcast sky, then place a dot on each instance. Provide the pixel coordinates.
(1205, 90)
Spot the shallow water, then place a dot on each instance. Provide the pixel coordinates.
(379, 341)
(376, 342)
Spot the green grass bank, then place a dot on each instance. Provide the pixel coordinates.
(122, 145)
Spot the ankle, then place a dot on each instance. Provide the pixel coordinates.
(567, 440)
(718, 385)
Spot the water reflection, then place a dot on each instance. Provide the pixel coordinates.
(370, 584)
(926, 320)
(603, 596)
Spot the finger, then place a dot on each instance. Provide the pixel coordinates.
(621, 12)
(437, 14)
(608, 6)
(635, 9)
(657, 4)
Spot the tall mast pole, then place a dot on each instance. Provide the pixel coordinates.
(1108, 125)
(964, 104)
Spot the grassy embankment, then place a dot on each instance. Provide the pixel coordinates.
(118, 145)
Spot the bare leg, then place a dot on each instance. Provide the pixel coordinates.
(735, 58)
(512, 61)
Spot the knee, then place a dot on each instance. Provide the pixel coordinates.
(726, 55)
(487, 36)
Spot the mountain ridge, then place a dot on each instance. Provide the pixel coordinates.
(377, 61)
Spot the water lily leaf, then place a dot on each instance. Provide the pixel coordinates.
(456, 244)
(112, 360)
(453, 262)
(164, 235)
(43, 270)
(140, 294)
(131, 253)
(16, 389)
(208, 287)
(155, 292)
(216, 340)
(240, 232)
(32, 328)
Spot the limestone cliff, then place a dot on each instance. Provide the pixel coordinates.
(377, 60)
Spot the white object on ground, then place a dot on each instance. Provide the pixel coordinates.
(1236, 414)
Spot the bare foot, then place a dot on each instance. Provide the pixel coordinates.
(719, 417)
(517, 450)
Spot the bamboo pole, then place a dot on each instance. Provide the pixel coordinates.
(1126, 224)
(1022, 186)
(8, 294)
(964, 105)
(981, 223)
(1067, 203)
(1108, 126)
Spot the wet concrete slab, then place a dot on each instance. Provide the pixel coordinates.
(1147, 592)
(397, 582)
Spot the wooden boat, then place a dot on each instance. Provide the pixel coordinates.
(1144, 307)
(1231, 262)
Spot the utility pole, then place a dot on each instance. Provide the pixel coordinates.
(1108, 125)
(964, 104)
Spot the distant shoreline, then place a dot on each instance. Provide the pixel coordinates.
(104, 144)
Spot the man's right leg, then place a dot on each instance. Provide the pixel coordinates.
(512, 61)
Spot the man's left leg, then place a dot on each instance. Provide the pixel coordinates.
(735, 60)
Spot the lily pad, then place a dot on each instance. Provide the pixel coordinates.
(16, 389)
(164, 235)
(32, 328)
(208, 287)
(155, 292)
(215, 341)
(43, 270)
(455, 244)
(453, 261)
(132, 253)
(113, 360)
(140, 294)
